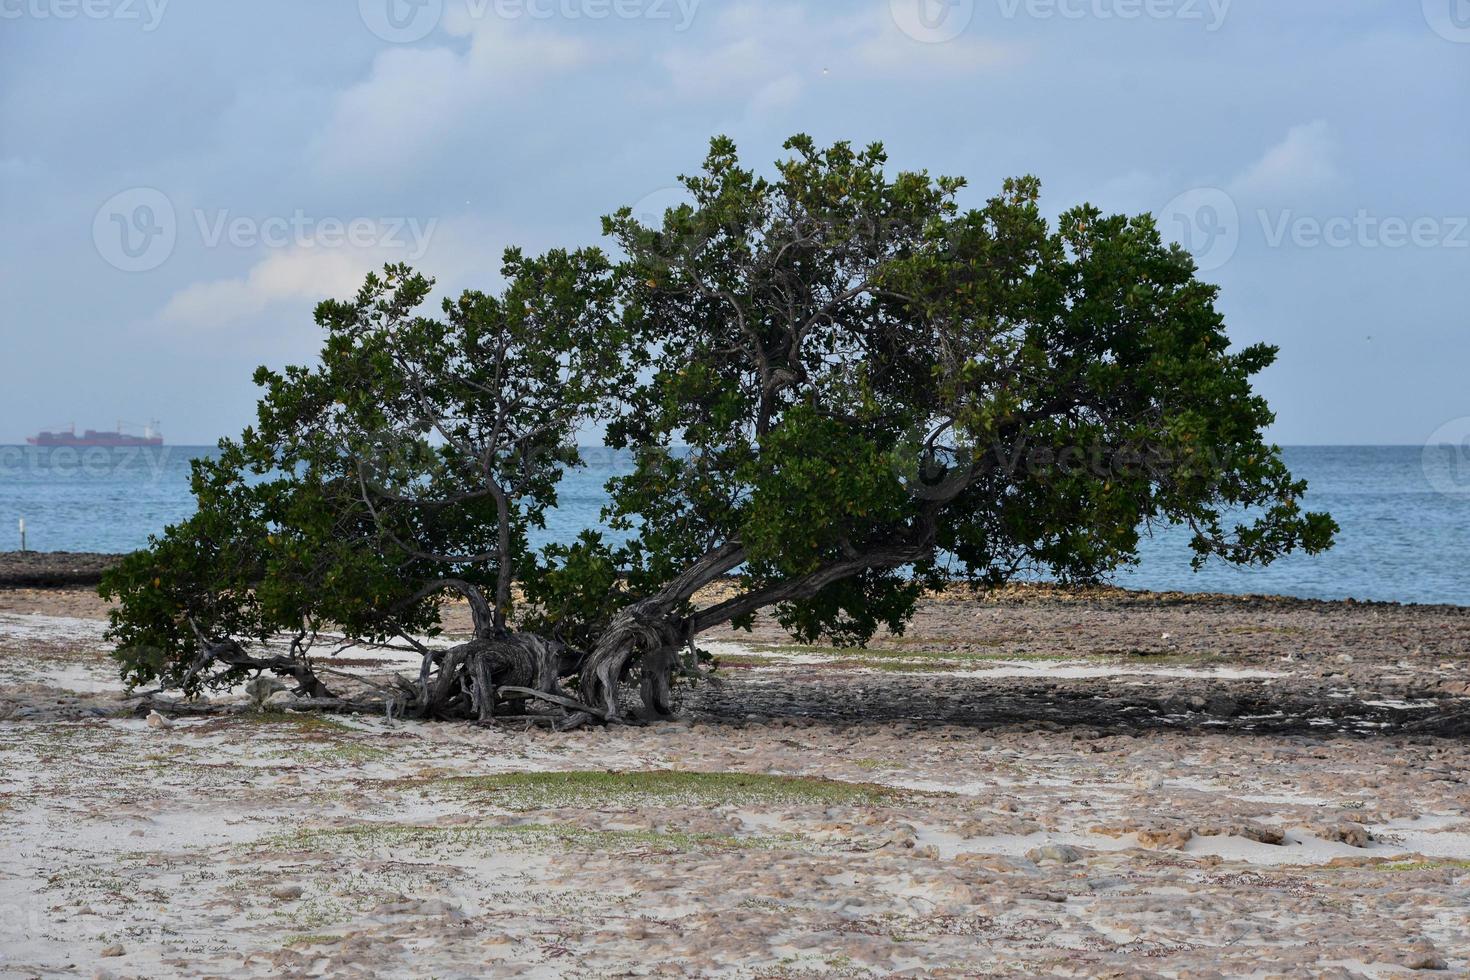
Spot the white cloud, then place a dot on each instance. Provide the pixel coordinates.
(456, 253)
(747, 66)
(1302, 162)
(767, 53)
(293, 275)
(777, 92)
(416, 97)
(752, 56)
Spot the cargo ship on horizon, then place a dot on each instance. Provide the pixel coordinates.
(91, 437)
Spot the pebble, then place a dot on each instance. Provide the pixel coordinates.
(1165, 839)
(1345, 831)
(1054, 853)
(1222, 707)
(1423, 955)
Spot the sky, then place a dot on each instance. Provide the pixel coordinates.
(181, 181)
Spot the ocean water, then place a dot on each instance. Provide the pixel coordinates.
(1404, 513)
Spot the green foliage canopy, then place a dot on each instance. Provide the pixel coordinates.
(836, 383)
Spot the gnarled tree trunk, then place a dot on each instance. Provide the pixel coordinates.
(644, 631)
(470, 675)
(651, 630)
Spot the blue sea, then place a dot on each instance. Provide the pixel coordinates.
(1404, 513)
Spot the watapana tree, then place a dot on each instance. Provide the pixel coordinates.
(839, 389)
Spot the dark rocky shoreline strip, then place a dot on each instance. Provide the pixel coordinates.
(53, 569)
(1283, 708)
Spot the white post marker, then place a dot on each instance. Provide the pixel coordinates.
(22, 535)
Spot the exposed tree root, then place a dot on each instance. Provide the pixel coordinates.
(232, 654)
(478, 680)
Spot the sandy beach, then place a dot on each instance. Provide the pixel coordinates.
(1028, 782)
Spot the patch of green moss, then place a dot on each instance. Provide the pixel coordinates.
(432, 840)
(853, 658)
(744, 661)
(915, 660)
(905, 666)
(346, 752)
(871, 764)
(909, 654)
(1450, 863)
(302, 721)
(542, 790)
(313, 913)
(311, 940)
